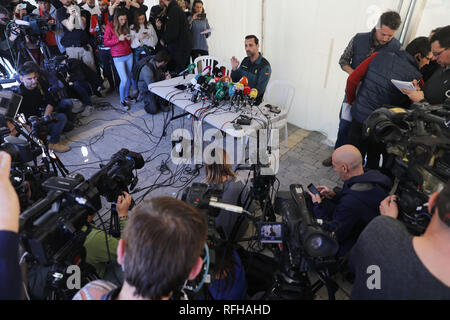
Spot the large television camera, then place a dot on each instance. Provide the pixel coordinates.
(51, 230)
(35, 26)
(418, 144)
(305, 245)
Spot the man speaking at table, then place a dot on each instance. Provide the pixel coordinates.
(256, 68)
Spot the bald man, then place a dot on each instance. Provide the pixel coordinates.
(348, 212)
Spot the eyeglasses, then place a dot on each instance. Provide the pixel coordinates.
(428, 58)
(438, 54)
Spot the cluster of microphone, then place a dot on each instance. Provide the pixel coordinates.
(212, 84)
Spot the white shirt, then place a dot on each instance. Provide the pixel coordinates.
(151, 40)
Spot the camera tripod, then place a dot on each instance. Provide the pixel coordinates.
(48, 156)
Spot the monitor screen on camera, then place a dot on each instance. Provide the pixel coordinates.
(271, 232)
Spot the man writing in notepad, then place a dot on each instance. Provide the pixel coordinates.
(376, 89)
(437, 88)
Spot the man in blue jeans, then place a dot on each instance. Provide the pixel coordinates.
(36, 97)
(362, 46)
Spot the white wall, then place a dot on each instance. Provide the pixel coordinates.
(436, 14)
(303, 42)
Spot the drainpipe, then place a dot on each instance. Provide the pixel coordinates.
(409, 15)
(263, 18)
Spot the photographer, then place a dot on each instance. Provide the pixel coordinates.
(34, 90)
(347, 213)
(83, 81)
(176, 37)
(7, 43)
(75, 39)
(98, 253)
(199, 24)
(152, 71)
(163, 240)
(412, 268)
(438, 85)
(10, 274)
(45, 9)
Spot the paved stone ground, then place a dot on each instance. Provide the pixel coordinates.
(107, 131)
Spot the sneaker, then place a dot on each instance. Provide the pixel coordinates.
(328, 162)
(87, 111)
(130, 100)
(59, 147)
(125, 106)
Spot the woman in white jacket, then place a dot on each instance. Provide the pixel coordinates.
(144, 37)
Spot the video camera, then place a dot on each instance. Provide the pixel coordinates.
(51, 230)
(34, 26)
(418, 144)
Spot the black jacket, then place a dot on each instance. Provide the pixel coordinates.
(177, 36)
(377, 89)
(437, 86)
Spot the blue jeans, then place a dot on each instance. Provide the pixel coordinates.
(55, 129)
(124, 66)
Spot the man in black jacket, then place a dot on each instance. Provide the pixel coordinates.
(437, 88)
(36, 97)
(177, 37)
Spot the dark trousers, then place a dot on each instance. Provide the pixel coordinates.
(367, 146)
(109, 70)
(343, 133)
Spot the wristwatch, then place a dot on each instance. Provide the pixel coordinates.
(121, 218)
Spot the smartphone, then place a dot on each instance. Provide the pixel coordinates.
(271, 232)
(313, 189)
(201, 16)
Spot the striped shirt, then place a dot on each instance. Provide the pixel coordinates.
(95, 290)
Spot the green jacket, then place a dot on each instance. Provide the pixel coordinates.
(96, 251)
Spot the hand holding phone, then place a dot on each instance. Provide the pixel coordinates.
(312, 188)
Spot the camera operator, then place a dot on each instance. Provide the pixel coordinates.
(98, 254)
(75, 38)
(255, 67)
(34, 90)
(10, 274)
(156, 19)
(46, 8)
(347, 213)
(152, 71)
(375, 75)
(438, 85)
(176, 37)
(7, 43)
(163, 240)
(412, 268)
